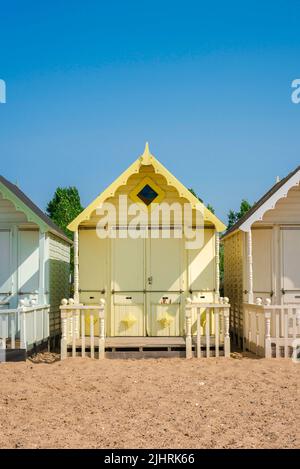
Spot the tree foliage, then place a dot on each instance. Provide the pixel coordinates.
(233, 216)
(210, 207)
(64, 207)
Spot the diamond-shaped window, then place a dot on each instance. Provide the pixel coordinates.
(147, 194)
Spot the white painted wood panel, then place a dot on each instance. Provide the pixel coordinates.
(290, 245)
(201, 267)
(92, 261)
(262, 260)
(5, 263)
(28, 261)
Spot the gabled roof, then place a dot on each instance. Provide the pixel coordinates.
(266, 202)
(146, 159)
(33, 212)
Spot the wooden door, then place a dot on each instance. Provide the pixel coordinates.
(262, 262)
(290, 264)
(164, 287)
(128, 285)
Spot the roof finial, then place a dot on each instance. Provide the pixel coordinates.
(146, 156)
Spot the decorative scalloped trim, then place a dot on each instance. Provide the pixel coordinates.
(270, 204)
(20, 207)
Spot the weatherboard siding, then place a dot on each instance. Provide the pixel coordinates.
(58, 278)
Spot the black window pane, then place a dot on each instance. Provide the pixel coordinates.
(147, 194)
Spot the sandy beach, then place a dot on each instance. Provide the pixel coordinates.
(239, 402)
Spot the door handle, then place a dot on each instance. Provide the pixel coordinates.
(150, 280)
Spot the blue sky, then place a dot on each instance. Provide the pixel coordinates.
(208, 84)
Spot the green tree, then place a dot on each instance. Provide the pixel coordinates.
(210, 207)
(194, 193)
(233, 216)
(64, 207)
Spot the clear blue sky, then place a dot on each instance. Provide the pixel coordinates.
(208, 84)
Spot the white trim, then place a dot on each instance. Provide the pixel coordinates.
(271, 202)
(249, 266)
(76, 267)
(42, 262)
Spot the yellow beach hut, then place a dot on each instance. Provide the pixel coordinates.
(148, 249)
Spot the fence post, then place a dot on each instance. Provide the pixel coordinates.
(23, 325)
(101, 345)
(2, 350)
(63, 342)
(188, 332)
(268, 349)
(226, 332)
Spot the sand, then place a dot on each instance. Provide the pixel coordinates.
(154, 403)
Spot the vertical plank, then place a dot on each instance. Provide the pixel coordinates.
(23, 330)
(245, 320)
(249, 329)
(76, 267)
(34, 325)
(198, 333)
(277, 333)
(286, 332)
(92, 338)
(82, 333)
(207, 331)
(73, 312)
(256, 333)
(217, 319)
(227, 335)
(64, 330)
(13, 330)
(101, 345)
(268, 350)
(188, 326)
(294, 322)
(249, 266)
(217, 262)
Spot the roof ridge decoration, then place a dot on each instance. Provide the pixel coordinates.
(146, 159)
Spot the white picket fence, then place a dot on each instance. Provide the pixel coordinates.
(213, 333)
(83, 327)
(74, 329)
(24, 327)
(271, 330)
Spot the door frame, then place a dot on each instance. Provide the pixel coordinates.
(146, 290)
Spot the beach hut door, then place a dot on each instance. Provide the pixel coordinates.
(128, 287)
(290, 272)
(164, 286)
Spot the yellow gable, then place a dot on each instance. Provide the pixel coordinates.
(144, 161)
